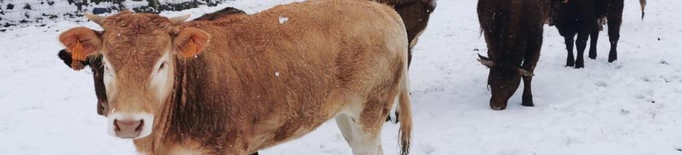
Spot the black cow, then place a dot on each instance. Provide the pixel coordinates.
(97, 75)
(513, 31)
(415, 15)
(584, 18)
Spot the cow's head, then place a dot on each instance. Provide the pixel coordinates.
(139, 52)
(97, 75)
(503, 80)
(415, 15)
(553, 11)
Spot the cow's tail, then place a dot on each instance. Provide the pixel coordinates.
(642, 3)
(405, 116)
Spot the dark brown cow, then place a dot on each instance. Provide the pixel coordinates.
(513, 31)
(238, 86)
(97, 75)
(415, 15)
(96, 63)
(584, 18)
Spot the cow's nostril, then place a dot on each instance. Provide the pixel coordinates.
(116, 128)
(139, 127)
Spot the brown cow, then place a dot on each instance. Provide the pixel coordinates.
(238, 86)
(98, 70)
(95, 64)
(415, 15)
(513, 31)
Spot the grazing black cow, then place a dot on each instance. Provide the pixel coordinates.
(584, 18)
(513, 31)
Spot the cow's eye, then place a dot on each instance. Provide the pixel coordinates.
(162, 66)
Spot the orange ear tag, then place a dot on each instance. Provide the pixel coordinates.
(77, 55)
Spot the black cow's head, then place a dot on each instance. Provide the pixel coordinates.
(503, 80)
(415, 15)
(97, 74)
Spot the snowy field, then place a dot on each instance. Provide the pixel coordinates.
(629, 107)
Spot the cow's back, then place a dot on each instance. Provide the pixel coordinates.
(505, 24)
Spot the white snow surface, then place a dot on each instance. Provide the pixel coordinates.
(629, 107)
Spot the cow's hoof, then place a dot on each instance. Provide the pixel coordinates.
(391, 119)
(592, 56)
(611, 60)
(578, 66)
(528, 104)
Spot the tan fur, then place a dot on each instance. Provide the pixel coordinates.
(254, 82)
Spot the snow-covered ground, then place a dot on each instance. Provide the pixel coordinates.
(630, 107)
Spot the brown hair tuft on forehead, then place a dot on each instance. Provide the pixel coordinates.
(136, 23)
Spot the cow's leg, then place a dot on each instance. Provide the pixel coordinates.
(361, 124)
(569, 48)
(531, 58)
(594, 36)
(614, 21)
(581, 43)
(409, 56)
(360, 139)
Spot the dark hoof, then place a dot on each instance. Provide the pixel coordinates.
(577, 66)
(570, 62)
(592, 56)
(528, 104)
(388, 118)
(611, 60)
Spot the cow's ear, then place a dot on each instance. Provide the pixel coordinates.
(189, 42)
(80, 42)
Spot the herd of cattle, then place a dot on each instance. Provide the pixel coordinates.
(233, 83)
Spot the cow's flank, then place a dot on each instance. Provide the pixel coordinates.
(238, 86)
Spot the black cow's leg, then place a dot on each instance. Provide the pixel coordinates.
(409, 57)
(530, 60)
(569, 47)
(581, 43)
(594, 37)
(614, 19)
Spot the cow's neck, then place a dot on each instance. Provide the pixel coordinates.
(189, 112)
